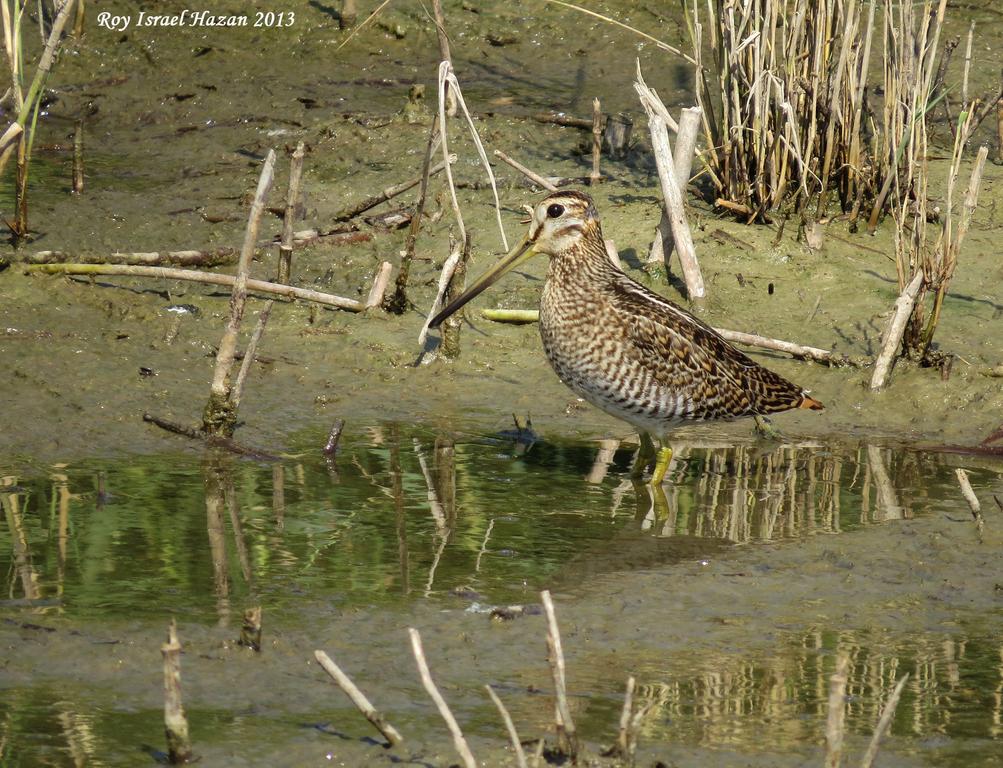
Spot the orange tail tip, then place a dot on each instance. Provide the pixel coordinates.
(811, 403)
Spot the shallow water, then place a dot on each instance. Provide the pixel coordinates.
(410, 526)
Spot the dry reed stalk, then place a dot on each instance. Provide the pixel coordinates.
(448, 267)
(457, 282)
(213, 258)
(682, 156)
(896, 330)
(536, 178)
(443, 38)
(286, 246)
(373, 715)
(447, 77)
(595, 176)
(565, 724)
(972, 499)
(179, 744)
(78, 157)
(249, 354)
(883, 724)
(167, 273)
(398, 302)
(513, 735)
(348, 14)
(426, 678)
(623, 734)
(220, 415)
(835, 728)
(391, 192)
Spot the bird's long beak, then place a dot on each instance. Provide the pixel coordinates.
(522, 252)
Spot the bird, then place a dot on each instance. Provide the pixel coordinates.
(625, 349)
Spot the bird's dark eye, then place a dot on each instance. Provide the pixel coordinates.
(555, 210)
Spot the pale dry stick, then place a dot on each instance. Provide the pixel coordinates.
(623, 735)
(674, 206)
(633, 730)
(536, 178)
(390, 192)
(179, 744)
(220, 415)
(286, 246)
(192, 258)
(454, 323)
(968, 66)
(444, 277)
(604, 457)
(999, 133)
(194, 276)
(513, 734)
(249, 353)
(361, 26)
(359, 699)
(595, 176)
(682, 156)
(516, 316)
(883, 723)
(556, 659)
(426, 678)
(446, 75)
(380, 283)
(972, 499)
(835, 728)
(896, 328)
(444, 55)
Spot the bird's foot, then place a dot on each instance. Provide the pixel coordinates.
(661, 465)
(765, 428)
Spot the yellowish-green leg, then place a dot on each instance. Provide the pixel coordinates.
(661, 465)
(766, 428)
(645, 455)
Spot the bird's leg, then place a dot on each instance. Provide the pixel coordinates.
(661, 465)
(645, 455)
(765, 428)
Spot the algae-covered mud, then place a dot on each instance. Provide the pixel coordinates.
(729, 598)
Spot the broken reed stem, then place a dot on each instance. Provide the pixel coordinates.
(556, 659)
(444, 55)
(454, 323)
(220, 415)
(380, 283)
(249, 353)
(972, 499)
(78, 157)
(686, 143)
(674, 207)
(883, 723)
(835, 728)
(373, 715)
(536, 178)
(397, 303)
(513, 734)
(896, 328)
(210, 278)
(595, 177)
(250, 630)
(426, 678)
(390, 192)
(286, 246)
(179, 744)
(623, 739)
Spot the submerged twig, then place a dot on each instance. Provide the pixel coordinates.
(565, 723)
(883, 723)
(426, 678)
(359, 699)
(390, 192)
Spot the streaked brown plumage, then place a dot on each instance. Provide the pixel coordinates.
(625, 349)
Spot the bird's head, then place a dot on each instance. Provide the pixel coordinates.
(558, 224)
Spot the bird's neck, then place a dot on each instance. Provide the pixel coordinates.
(585, 263)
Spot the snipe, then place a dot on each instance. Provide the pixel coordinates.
(632, 353)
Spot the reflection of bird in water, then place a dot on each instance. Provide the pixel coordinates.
(627, 350)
